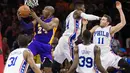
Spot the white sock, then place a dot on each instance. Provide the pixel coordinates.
(38, 65)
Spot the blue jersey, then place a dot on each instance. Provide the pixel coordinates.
(41, 34)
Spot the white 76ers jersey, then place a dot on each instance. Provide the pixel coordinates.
(73, 27)
(86, 59)
(16, 62)
(102, 38)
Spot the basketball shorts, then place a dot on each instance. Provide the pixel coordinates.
(110, 60)
(44, 50)
(64, 50)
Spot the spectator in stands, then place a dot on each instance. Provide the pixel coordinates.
(128, 43)
(5, 48)
(115, 44)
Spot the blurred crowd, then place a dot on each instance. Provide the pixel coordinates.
(10, 26)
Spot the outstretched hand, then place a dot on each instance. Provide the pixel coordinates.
(84, 21)
(118, 5)
(18, 15)
(33, 14)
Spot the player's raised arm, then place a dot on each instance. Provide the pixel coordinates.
(94, 28)
(97, 60)
(75, 62)
(122, 23)
(29, 58)
(46, 26)
(79, 13)
(84, 26)
(24, 24)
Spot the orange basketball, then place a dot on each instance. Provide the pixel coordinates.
(24, 11)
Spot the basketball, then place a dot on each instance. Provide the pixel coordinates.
(24, 11)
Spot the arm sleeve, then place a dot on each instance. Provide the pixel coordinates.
(89, 16)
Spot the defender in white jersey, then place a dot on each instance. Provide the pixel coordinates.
(64, 49)
(102, 38)
(19, 59)
(87, 57)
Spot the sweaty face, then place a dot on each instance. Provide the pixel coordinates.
(46, 12)
(103, 22)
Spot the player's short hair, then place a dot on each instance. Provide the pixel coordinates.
(23, 40)
(87, 35)
(52, 8)
(108, 18)
(78, 4)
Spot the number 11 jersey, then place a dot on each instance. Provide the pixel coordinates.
(16, 62)
(102, 38)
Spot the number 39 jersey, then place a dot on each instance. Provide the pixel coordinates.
(16, 62)
(102, 38)
(86, 59)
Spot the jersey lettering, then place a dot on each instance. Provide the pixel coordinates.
(101, 33)
(77, 25)
(100, 40)
(40, 29)
(67, 26)
(12, 61)
(88, 62)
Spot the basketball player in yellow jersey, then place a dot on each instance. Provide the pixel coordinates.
(102, 37)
